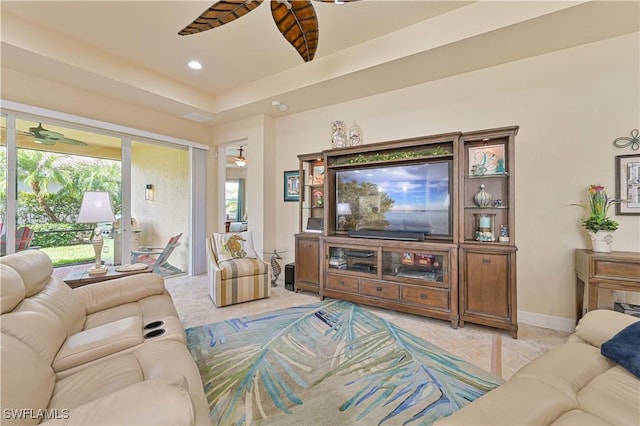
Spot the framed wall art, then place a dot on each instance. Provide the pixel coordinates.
(292, 185)
(486, 160)
(628, 184)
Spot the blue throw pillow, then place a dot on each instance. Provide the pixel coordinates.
(624, 348)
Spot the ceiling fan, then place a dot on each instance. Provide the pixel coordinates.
(49, 137)
(296, 20)
(240, 160)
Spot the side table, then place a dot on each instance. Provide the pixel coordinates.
(81, 277)
(276, 269)
(618, 270)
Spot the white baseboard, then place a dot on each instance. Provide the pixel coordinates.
(547, 321)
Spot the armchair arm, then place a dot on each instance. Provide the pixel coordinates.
(151, 402)
(108, 294)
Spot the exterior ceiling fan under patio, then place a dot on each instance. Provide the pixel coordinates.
(296, 20)
(49, 137)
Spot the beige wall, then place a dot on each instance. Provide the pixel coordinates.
(167, 213)
(570, 106)
(256, 133)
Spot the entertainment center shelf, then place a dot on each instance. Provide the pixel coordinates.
(406, 276)
(435, 222)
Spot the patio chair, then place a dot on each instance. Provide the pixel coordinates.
(24, 236)
(158, 257)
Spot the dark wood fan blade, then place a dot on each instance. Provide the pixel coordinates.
(298, 23)
(220, 13)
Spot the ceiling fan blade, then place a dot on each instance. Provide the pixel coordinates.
(220, 13)
(42, 133)
(298, 23)
(72, 142)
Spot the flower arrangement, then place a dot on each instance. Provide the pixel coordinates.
(599, 203)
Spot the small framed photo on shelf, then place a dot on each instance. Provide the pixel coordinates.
(486, 160)
(407, 258)
(628, 184)
(318, 175)
(292, 185)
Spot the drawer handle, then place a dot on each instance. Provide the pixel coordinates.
(486, 260)
(423, 296)
(341, 282)
(378, 288)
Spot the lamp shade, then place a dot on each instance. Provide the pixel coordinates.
(96, 207)
(344, 208)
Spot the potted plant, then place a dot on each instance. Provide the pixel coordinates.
(599, 226)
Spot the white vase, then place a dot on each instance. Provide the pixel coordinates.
(601, 241)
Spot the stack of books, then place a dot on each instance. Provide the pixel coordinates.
(338, 262)
(627, 308)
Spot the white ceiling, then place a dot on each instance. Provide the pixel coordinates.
(130, 50)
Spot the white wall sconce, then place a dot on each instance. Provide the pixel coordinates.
(148, 192)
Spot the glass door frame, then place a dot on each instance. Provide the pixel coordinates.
(12, 111)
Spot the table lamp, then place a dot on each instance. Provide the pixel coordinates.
(343, 209)
(95, 208)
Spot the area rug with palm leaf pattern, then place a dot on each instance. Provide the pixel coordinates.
(328, 363)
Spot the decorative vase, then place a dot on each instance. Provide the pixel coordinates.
(355, 135)
(601, 241)
(482, 197)
(338, 134)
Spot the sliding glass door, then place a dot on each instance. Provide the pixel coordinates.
(53, 165)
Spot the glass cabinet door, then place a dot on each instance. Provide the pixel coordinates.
(355, 260)
(415, 267)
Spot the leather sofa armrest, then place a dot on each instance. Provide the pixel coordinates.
(98, 342)
(109, 294)
(598, 326)
(151, 402)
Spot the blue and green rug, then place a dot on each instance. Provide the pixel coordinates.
(328, 363)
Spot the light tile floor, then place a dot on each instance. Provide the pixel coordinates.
(472, 343)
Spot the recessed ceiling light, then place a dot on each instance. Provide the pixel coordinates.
(195, 65)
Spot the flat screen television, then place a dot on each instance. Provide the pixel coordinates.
(406, 201)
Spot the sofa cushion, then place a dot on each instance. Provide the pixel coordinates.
(108, 294)
(59, 298)
(27, 382)
(600, 325)
(12, 288)
(41, 330)
(624, 348)
(613, 396)
(34, 266)
(237, 268)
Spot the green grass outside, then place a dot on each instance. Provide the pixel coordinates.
(81, 253)
(69, 255)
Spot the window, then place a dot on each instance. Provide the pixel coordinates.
(233, 200)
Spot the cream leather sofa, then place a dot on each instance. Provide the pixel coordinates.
(572, 384)
(83, 356)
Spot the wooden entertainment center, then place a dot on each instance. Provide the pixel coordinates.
(445, 248)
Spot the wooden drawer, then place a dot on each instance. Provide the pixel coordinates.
(341, 283)
(616, 270)
(430, 297)
(380, 289)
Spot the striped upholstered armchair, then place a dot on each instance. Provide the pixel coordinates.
(236, 273)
